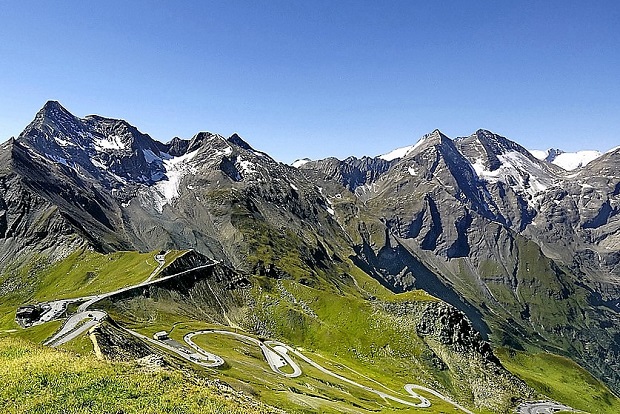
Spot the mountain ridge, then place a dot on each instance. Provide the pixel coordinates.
(526, 250)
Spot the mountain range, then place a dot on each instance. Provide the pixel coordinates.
(520, 248)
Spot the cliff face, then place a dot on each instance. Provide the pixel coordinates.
(215, 294)
(31, 225)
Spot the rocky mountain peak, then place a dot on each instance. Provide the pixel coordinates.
(497, 144)
(210, 139)
(435, 138)
(110, 151)
(237, 140)
(53, 121)
(200, 139)
(176, 147)
(489, 150)
(54, 110)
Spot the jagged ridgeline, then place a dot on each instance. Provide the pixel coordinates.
(426, 266)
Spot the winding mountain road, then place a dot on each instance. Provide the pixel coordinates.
(275, 357)
(201, 357)
(72, 326)
(276, 354)
(424, 403)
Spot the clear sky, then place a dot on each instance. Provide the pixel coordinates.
(320, 78)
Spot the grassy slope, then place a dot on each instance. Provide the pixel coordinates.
(341, 338)
(312, 392)
(82, 273)
(85, 273)
(42, 380)
(349, 337)
(355, 339)
(562, 380)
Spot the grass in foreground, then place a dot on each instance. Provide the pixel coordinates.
(41, 380)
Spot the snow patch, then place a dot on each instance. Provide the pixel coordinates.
(299, 163)
(401, 152)
(571, 161)
(99, 164)
(568, 161)
(539, 154)
(226, 152)
(113, 142)
(104, 167)
(64, 143)
(411, 171)
(518, 171)
(479, 167)
(293, 187)
(166, 190)
(328, 206)
(246, 167)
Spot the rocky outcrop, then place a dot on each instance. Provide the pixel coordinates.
(216, 294)
(448, 326)
(112, 342)
(455, 347)
(352, 172)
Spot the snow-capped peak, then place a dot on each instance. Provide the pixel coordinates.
(300, 162)
(567, 160)
(402, 151)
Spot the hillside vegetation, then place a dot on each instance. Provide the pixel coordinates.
(42, 380)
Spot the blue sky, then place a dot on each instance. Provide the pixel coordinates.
(321, 78)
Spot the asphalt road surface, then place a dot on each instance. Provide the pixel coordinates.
(204, 359)
(75, 326)
(276, 358)
(542, 407)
